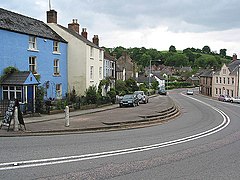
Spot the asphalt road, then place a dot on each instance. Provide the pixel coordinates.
(203, 143)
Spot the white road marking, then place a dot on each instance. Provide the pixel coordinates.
(68, 159)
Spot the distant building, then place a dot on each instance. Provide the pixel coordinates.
(125, 62)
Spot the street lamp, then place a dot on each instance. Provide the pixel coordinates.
(150, 69)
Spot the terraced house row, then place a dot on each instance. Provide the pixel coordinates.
(50, 55)
(225, 81)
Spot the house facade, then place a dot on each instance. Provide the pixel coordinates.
(85, 58)
(226, 81)
(30, 45)
(206, 81)
(109, 70)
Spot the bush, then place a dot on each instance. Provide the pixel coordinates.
(91, 95)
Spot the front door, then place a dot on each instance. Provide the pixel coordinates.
(30, 98)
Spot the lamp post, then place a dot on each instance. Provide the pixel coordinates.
(149, 77)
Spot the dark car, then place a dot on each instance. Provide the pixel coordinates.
(162, 92)
(142, 97)
(129, 100)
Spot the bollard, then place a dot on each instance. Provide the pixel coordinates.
(66, 116)
(15, 122)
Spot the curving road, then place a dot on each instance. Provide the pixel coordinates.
(203, 143)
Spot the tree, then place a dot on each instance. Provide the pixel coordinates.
(223, 52)
(172, 49)
(206, 50)
(131, 85)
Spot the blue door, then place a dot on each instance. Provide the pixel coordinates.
(30, 98)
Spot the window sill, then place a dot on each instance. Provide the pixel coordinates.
(57, 75)
(33, 50)
(56, 53)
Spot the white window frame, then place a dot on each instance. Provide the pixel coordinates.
(32, 61)
(56, 67)
(12, 89)
(91, 52)
(32, 43)
(56, 47)
(58, 91)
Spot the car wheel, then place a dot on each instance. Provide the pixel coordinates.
(120, 105)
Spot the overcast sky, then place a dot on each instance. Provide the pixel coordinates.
(146, 23)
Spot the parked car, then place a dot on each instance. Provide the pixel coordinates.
(225, 98)
(189, 92)
(142, 97)
(162, 92)
(129, 100)
(235, 99)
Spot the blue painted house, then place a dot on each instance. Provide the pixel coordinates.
(31, 46)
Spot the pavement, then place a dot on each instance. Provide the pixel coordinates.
(55, 124)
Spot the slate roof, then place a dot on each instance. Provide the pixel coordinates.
(207, 73)
(17, 78)
(12, 21)
(80, 37)
(233, 66)
(109, 57)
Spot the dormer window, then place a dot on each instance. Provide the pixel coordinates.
(32, 43)
(56, 47)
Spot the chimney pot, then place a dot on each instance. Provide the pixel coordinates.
(84, 32)
(74, 26)
(96, 40)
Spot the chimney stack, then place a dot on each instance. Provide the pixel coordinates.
(234, 58)
(74, 26)
(95, 40)
(84, 32)
(52, 16)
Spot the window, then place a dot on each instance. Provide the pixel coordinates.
(58, 91)
(224, 80)
(91, 52)
(220, 80)
(232, 80)
(228, 80)
(216, 79)
(216, 91)
(100, 55)
(32, 43)
(12, 92)
(220, 91)
(32, 64)
(56, 47)
(100, 72)
(91, 72)
(56, 70)
(224, 71)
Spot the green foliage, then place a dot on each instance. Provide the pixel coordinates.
(155, 85)
(131, 85)
(10, 70)
(121, 88)
(112, 94)
(39, 99)
(172, 49)
(91, 95)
